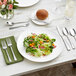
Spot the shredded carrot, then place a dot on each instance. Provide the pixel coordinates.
(47, 40)
(41, 42)
(53, 44)
(33, 37)
(46, 51)
(30, 44)
(33, 44)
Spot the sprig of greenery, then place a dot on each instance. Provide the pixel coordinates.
(15, 6)
(14, 1)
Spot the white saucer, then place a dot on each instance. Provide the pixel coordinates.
(40, 22)
(26, 3)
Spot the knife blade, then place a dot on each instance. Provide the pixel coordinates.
(61, 35)
(59, 31)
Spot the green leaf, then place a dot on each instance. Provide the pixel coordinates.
(51, 47)
(51, 50)
(53, 40)
(30, 49)
(27, 50)
(15, 6)
(15, 2)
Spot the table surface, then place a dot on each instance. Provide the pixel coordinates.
(27, 66)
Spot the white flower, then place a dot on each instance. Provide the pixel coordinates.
(3, 6)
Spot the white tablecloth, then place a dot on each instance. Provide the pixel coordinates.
(27, 66)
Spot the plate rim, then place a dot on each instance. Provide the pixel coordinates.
(28, 5)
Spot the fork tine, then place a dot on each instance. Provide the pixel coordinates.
(8, 41)
(4, 46)
(3, 43)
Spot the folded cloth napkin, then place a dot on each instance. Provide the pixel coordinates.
(16, 52)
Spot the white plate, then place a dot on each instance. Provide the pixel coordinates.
(26, 3)
(40, 22)
(52, 56)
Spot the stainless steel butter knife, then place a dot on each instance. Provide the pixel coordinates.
(60, 33)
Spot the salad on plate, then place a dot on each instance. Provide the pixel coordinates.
(39, 45)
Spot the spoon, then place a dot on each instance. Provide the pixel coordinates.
(13, 23)
(73, 33)
(66, 33)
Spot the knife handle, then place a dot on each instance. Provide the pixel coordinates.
(67, 46)
(72, 45)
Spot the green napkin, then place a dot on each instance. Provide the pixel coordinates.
(14, 46)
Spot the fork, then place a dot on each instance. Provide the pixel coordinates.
(9, 43)
(4, 46)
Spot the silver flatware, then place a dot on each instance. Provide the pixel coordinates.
(27, 24)
(9, 43)
(13, 23)
(66, 33)
(59, 31)
(4, 46)
(73, 33)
